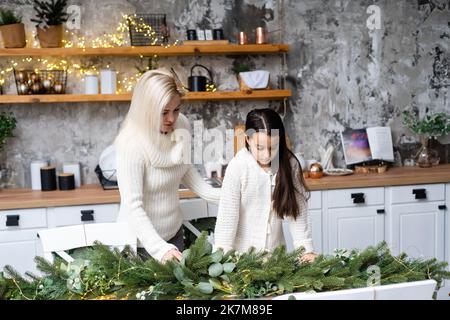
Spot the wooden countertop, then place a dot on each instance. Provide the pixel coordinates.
(392, 177)
(94, 194)
(87, 194)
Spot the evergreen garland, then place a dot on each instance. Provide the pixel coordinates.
(99, 272)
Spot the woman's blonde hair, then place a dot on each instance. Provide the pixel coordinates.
(152, 93)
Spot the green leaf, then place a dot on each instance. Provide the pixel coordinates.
(215, 270)
(216, 257)
(205, 287)
(225, 277)
(179, 274)
(215, 283)
(228, 267)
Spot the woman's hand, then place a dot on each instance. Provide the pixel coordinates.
(172, 253)
(308, 257)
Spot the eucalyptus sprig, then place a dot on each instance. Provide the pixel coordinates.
(433, 125)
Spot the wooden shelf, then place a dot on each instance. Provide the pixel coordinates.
(190, 96)
(179, 50)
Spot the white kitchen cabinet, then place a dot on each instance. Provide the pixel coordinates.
(355, 198)
(20, 255)
(417, 230)
(72, 215)
(19, 244)
(212, 209)
(416, 223)
(194, 209)
(354, 228)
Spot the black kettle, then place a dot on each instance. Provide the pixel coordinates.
(198, 83)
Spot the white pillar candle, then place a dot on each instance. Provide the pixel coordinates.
(75, 169)
(108, 81)
(36, 173)
(91, 84)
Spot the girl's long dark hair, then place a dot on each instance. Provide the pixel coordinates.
(284, 196)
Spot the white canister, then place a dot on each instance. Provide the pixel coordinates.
(108, 81)
(91, 84)
(36, 173)
(75, 169)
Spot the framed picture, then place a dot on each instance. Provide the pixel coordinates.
(200, 34)
(208, 35)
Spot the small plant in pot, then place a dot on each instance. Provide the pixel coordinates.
(430, 127)
(50, 16)
(12, 29)
(7, 126)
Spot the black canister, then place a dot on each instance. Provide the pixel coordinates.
(218, 34)
(66, 181)
(48, 178)
(191, 34)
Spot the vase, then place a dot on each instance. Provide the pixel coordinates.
(13, 35)
(51, 36)
(427, 156)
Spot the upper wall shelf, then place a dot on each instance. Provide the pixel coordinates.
(190, 96)
(178, 50)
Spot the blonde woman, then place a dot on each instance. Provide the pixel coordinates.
(151, 166)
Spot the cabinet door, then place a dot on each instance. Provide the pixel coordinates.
(417, 230)
(354, 228)
(20, 255)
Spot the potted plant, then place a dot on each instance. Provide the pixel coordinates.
(12, 29)
(50, 18)
(7, 126)
(429, 128)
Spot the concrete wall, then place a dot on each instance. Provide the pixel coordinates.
(342, 74)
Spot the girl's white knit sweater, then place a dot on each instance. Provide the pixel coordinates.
(149, 176)
(246, 217)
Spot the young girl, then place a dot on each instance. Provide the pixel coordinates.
(263, 185)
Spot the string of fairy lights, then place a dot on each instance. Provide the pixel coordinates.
(119, 38)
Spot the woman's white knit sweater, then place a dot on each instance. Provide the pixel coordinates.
(149, 176)
(246, 217)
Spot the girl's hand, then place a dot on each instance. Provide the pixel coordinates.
(171, 254)
(308, 257)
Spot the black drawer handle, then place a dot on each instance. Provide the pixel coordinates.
(420, 193)
(12, 220)
(381, 211)
(442, 207)
(358, 197)
(87, 215)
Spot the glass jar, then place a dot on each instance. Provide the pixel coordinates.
(427, 156)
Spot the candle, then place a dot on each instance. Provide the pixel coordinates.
(91, 84)
(108, 81)
(75, 169)
(36, 173)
